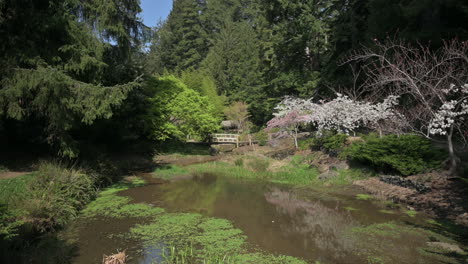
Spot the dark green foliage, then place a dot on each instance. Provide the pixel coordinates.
(406, 154)
(305, 144)
(9, 222)
(55, 68)
(262, 137)
(328, 142)
(180, 43)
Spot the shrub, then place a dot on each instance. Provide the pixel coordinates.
(262, 137)
(306, 144)
(329, 142)
(407, 154)
(259, 165)
(239, 162)
(57, 194)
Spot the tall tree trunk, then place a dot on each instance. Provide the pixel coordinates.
(295, 138)
(453, 159)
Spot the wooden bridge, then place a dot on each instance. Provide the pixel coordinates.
(225, 139)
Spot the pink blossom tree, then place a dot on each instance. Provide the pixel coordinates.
(288, 124)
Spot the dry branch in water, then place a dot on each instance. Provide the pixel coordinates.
(119, 258)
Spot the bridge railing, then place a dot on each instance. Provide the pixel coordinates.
(225, 138)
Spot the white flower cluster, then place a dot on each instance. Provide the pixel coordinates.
(292, 104)
(341, 114)
(451, 111)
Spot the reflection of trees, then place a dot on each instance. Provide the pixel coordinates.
(198, 194)
(322, 228)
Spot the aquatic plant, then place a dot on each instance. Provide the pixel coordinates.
(364, 197)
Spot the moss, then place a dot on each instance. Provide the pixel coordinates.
(411, 213)
(364, 197)
(386, 212)
(384, 229)
(349, 208)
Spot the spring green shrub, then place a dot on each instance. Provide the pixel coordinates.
(407, 154)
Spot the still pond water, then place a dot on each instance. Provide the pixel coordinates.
(326, 225)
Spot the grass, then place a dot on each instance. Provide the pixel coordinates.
(14, 189)
(295, 173)
(411, 213)
(364, 197)
(171, 171)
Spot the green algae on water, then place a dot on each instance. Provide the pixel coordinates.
(364, 197)
(110, 204)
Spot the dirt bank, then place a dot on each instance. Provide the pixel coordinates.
(447, 198)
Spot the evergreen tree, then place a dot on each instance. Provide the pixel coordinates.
(52, 65)
(181, 41)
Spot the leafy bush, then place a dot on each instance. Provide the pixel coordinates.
(307, 143)
(329, 142)
(406, 154)
(9, 222)
(262, 137)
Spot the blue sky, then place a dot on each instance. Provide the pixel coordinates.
(154, 10)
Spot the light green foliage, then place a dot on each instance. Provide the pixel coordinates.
(178, 112)
(406, 154)
(193, 115)
(205, 85)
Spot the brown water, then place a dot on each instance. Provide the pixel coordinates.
(314, 225)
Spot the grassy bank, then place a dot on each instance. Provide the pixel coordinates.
(296, 171)
(44, 200)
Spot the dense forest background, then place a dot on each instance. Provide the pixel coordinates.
(80, 75)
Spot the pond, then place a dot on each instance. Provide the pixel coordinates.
(257, 222)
